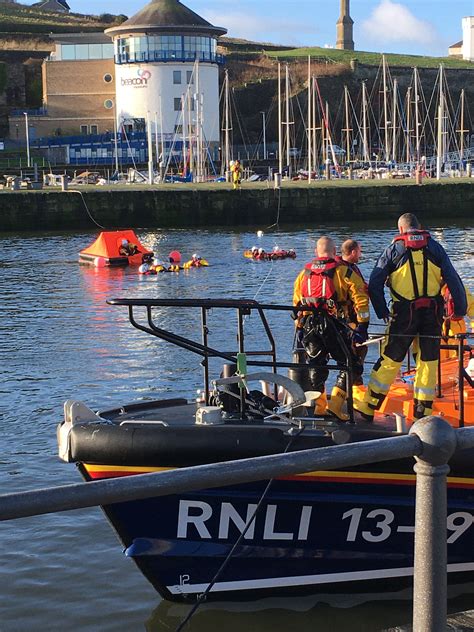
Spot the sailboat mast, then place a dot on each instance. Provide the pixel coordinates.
(408, 134)
(287, 96)
(310, 126)
(150, 148)
(394, 116)
(198, 125)
(315, 144)
(385, 108)
(116, 142)
(162, 137)
(461, 130)
(417, 116)
(348, 128)
(183, 133)
(280, 140)
(440, 151)
(227, 125)
(364, 122)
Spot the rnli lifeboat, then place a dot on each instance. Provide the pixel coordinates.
(315, 533)
(105, 251)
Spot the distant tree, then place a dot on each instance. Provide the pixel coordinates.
(108, 18)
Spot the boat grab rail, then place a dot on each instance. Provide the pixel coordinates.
(244, 308)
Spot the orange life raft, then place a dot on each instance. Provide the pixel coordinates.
(105, 250)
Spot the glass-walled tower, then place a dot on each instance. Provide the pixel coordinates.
(156, 52)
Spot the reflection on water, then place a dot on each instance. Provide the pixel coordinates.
(60, 339)
(302, 614)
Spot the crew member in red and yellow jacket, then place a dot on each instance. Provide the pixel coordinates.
(413, 266)
(452, 325)
(329, 285)
(351, 253)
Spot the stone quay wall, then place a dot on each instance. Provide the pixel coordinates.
(189, 206)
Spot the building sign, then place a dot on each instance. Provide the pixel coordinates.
(139, 81)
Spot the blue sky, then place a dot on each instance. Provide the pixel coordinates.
(405, 26)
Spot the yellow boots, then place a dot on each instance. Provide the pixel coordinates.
(337, 401)
(320, 408)
(334, 407)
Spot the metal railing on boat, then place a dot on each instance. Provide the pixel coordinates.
(432, 441)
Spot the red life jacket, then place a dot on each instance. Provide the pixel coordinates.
(448, 304)
(318, 288)
(415, 240)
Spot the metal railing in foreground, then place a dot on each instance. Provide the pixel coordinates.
(431, 440)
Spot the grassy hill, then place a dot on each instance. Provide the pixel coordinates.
(371, 59)
(18, 18)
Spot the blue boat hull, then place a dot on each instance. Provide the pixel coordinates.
(339, 532)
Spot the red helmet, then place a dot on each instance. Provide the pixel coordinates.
(175, 256)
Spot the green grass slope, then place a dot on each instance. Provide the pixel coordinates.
(372, 59)
(17, 18)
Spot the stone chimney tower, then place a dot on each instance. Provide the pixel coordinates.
(344, 28)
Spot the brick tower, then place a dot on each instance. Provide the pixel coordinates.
(344, 28)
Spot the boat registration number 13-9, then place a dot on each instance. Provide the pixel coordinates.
(379, 525)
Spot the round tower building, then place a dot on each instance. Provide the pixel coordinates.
(156, 52)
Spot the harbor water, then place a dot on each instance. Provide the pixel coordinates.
(61, 340)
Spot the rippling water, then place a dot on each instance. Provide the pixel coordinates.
(59, 340)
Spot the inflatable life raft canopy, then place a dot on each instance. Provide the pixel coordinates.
(105, 250)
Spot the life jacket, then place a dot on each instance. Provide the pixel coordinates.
(318, 289)
(448, 304)
(414, 241)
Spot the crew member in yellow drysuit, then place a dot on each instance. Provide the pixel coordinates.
(453, 326)
(236, 170)
(414, 267)
(330, 286)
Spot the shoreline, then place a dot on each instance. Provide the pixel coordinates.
(207, 205)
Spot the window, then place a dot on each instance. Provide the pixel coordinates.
(177, 104)
(189, 77)
(68, 52)
(108, 104)
(108, 78)
(94, 130)
(178, 129)
(176, 77)
(95, 51)
(83, 129)
(82, 51)
(108, 51)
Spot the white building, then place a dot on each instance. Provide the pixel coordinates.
(468, 38)
(156, 52)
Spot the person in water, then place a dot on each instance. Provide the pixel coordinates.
(175, 261)
(195, 262)
(147, 264)
(413, 266)
(158, 266)
(128, 249)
